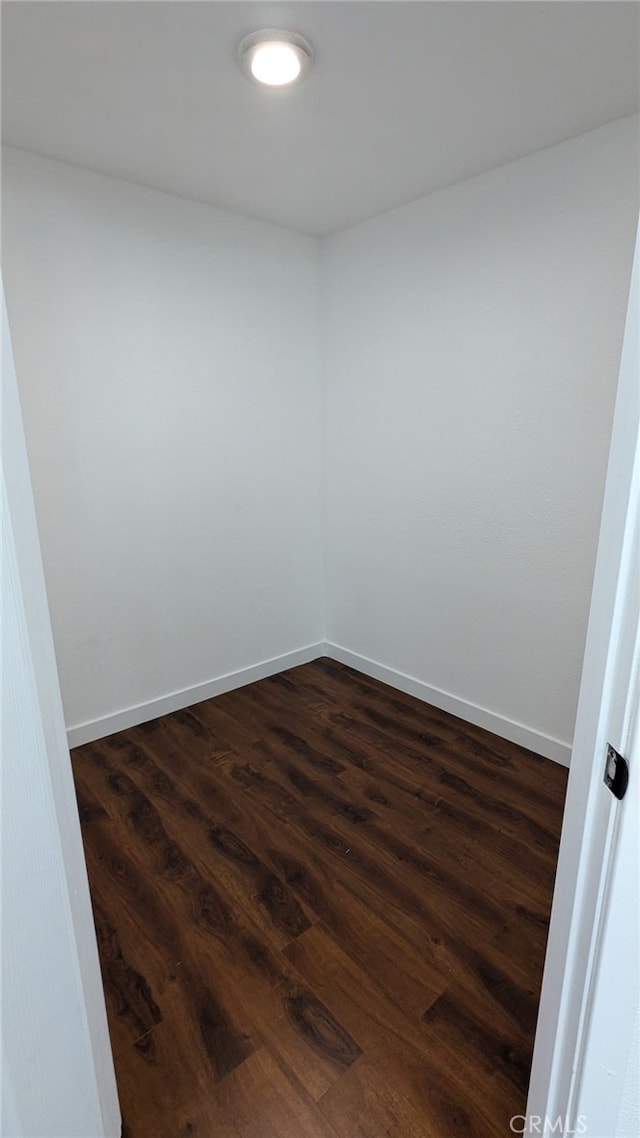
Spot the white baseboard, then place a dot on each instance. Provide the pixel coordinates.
(516, 732)
(175, 701)
(131, 716)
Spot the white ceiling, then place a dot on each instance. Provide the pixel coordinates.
(403, 98)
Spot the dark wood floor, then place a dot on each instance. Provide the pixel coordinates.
(322, 910)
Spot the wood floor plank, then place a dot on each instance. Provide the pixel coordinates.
(183, 733)
(393, 812)
(378, 847)
(338, 829)
(381, 782)
(264, 1100)
(448, 786)
(237, 868)
(445, 943)
(449, 1033)
(169, 1099)
(405, 1097)
(161, 945)
(491, 760)
(257, 979)
(450, 777)
(390, 708)
(386, 952)
(322, 910)
(364, 1007)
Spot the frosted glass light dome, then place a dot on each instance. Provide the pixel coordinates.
(275, 58)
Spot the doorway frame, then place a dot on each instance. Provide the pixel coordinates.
(608, 697)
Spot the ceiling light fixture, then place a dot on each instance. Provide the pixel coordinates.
(275, 58)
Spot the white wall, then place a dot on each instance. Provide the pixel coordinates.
(169, 358)
(629, 1112)
(57, 1073)
(169, 372)
(472, 349)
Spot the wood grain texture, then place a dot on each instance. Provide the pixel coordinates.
(322, 910)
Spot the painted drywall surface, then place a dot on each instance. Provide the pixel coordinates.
(46, 1055)
(168, 363)
(168, 357)
(629, 1113)
(472, 343)
(57, 1070)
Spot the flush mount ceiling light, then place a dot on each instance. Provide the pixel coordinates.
(275, 58)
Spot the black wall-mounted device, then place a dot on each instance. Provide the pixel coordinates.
(616, 772)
